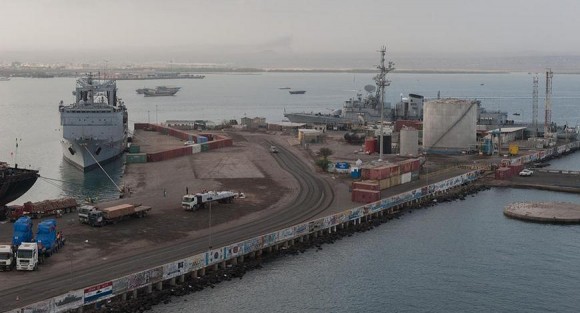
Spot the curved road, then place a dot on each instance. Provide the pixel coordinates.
(315, 196)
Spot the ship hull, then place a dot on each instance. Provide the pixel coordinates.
(85, 154)
(14, 186)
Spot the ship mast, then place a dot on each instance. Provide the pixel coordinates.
(382, 82)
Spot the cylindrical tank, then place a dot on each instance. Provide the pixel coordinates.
(449, 125)
(370, 145)
(409, 143)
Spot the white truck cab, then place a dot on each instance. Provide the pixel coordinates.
(27, 257)
(6, 258)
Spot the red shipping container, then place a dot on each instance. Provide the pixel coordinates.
(406, 166)
(365, 196)
(395, 170)
(365, 173)
(370, 145)
(415, 165)
(516, 169)
(503, 173)
(375, 173)
(366, 185)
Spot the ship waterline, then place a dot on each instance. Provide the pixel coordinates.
(84, 154)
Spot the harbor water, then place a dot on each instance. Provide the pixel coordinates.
(463, 256)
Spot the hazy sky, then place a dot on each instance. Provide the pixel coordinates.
(298, 27)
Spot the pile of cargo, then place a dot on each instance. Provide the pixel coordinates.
(199, 143)
(43, 208)
(381, 177)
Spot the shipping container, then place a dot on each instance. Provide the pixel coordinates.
(375, 173)
(414, 175)
(406, 178)
(395, 180)
(516, 169)
(365, 173)
(204, 147)
(503, 173)
(366, 185)
(385, 183)
(134, 148)
(135, 158)
(415, 165)
(406, 166)
(196, 148)
(365, 196)
(370, 145)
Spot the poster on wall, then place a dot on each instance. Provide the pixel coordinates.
(98, 292)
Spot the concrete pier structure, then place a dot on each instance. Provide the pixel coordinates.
(545, 212)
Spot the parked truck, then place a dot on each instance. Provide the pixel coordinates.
(27, 257)
(199, 200)
(22, 231)
(43, 208)
(7, 262)
(49, 240)
(95, 216)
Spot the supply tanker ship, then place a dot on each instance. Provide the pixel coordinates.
(94, 127)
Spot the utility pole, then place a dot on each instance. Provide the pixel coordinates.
(535, 106)
(548, 113)
(383, 82)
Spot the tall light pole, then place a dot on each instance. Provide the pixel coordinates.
(383, 82)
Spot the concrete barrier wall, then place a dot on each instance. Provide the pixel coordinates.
(154, 276)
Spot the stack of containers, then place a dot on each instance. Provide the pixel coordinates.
(408, 168)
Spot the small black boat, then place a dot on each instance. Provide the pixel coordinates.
(297, 92)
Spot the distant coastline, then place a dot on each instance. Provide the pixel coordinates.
(136, 74)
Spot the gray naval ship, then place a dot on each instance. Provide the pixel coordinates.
(362, 110)
(95, 126)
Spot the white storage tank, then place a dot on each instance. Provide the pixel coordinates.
(449, 125)
(409, 141)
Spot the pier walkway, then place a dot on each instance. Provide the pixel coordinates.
(544, 179)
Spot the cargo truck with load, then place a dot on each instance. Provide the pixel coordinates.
(199, 200)
(48, 239)
(22, 231)
(43, 208)
(95, 216)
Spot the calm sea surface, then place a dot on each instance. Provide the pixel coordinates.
(463, 256)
